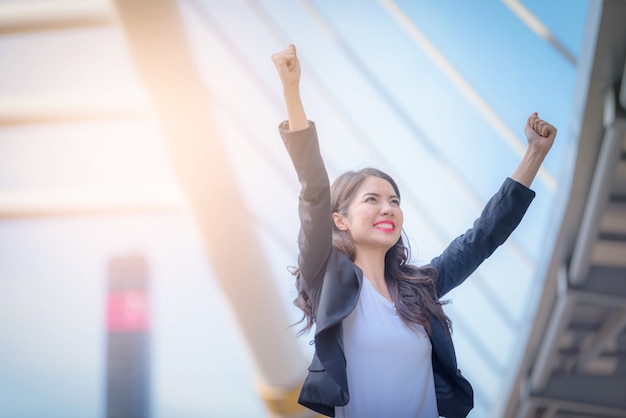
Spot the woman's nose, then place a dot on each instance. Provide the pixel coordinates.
(386, 209)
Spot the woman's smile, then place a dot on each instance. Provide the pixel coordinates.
(385, 226)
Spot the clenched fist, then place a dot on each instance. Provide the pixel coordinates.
(288, 66)
(539, 133)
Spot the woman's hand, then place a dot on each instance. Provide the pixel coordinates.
(288, 66)
(540, 136)
(539, 133)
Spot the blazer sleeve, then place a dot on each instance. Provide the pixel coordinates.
(315, 237)
(499, 218)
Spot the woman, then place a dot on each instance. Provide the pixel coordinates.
(382, 341)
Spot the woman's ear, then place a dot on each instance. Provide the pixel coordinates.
(340, 222)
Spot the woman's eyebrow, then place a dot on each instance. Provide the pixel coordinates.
(393, 196)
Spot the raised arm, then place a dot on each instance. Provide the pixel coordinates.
(300, 138)
(540, 136)
(288, 67)
(501, 215)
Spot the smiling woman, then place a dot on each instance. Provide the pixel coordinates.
(359, 200)
(368, 221)
(384, 349)
(370, 217)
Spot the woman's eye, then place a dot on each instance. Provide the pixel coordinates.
(395, 202)
(370, 199)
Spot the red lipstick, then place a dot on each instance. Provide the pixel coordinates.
(385, 226)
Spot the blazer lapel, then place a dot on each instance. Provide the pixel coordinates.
(338, 297)
(340, 291)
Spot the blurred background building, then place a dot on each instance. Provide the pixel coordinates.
(150, 128)
(128, 338)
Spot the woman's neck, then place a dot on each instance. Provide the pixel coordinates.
(372, 263)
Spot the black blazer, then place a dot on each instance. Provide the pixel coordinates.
(333, 282)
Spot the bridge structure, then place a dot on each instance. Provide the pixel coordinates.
(136, 112)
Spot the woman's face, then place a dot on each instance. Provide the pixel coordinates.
(374, 218)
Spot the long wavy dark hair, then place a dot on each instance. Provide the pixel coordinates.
(412, 288)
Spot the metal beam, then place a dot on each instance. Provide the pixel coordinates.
(77, 201)
(35, 110)
(565, 303)
(622, 92)
(30, 16)
(619, 182)
(594, 346)
(609, 253)
(590, 390)
(573, 407)
(537, 26)
(559, 320)
(597, 200)
(614, 219)
(158, 43)
(600, 299)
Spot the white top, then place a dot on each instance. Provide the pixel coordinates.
(389, 365)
